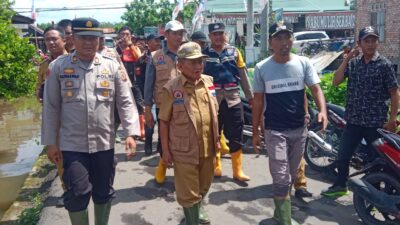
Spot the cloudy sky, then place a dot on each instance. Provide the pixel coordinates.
(103, 15)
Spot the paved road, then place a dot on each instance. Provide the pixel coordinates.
(140, 201)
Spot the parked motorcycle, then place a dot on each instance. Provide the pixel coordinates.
(313, 48)
(322, 147)
(377, 196)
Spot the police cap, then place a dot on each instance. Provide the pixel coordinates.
(86, 26)
(216, 27)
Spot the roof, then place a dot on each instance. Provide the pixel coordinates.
(20, 19)
(309, 5)
(235, 6)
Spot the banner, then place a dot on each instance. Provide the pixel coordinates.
(330, 21)
(261, 5)
(177, 9)
(279, 15)
(198, 15)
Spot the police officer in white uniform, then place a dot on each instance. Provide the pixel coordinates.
(81, 92)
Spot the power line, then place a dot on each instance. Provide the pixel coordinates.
(66, 9)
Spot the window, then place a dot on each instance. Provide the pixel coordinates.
(378, 21)
(301, 37)
(316, 36)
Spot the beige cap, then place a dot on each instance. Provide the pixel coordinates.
(174, 25)
(190, 50)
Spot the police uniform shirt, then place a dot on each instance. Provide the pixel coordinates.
(79, 102)
(113, 54)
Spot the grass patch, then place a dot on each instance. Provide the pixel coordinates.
(30, 216)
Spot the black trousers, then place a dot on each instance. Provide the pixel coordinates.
(137, 94)
(351, 138)
(159, 147)
(88, 175)
(230, 120)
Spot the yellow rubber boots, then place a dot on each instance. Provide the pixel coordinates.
(160, 172)
(237, 166)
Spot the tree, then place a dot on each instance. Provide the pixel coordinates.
(17, 72)
(43, 26)
(143, 13)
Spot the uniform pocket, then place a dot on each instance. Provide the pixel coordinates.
(104, 90)
(180, 116)
(70, 90)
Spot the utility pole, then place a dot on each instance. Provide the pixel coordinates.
(264, 22)
(250, 24)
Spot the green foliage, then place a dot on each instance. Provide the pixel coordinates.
(17, 73)
(43, 26)
(143, 13)
(335, 95)
(31, 216)
(110, 25)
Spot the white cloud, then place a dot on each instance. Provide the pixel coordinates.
(103, 15)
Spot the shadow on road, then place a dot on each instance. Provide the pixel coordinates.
(151, 190)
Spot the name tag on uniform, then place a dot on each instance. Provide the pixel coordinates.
(69, 73)
(178, 97)
(76, 76)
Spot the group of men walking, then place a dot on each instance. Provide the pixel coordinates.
(195, 89)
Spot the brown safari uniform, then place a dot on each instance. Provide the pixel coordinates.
(165, 71)
(191, 110)
(42, 74)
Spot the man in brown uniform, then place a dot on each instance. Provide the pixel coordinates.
(160, 69)
(54, 40)
(189, 131)
(55, 44)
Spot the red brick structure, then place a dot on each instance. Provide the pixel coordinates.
(385, 16)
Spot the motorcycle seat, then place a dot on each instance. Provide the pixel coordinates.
(392, 138)
(336, 109)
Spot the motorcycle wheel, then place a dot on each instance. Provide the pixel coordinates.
(317, 158)
(305, 51)
(366, 211)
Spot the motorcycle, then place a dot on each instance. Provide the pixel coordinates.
(377, 195)
(313, 48)
(322, 147)
(247, 117)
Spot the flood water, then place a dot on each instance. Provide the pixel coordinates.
(19, 145)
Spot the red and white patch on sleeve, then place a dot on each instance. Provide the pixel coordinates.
(212, 90)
